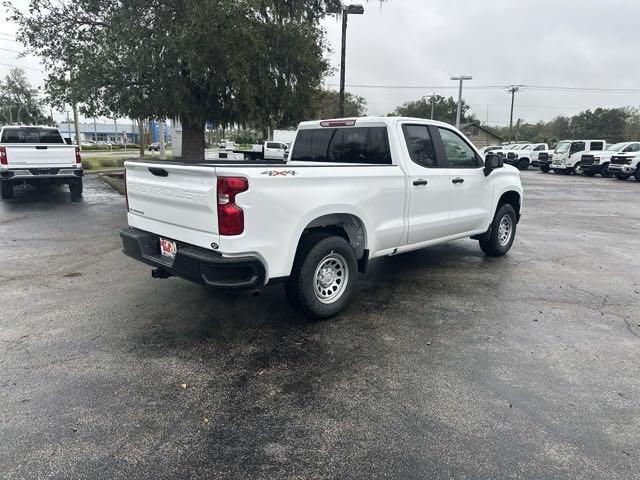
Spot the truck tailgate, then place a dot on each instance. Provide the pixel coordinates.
(176, 201)
(41, 156)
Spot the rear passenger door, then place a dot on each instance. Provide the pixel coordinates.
(428, 185)
(471, 191)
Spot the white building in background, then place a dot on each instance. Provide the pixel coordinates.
(126, 133)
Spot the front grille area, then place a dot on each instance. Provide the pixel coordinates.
(621, 161)
(543, 156)
(586, 160)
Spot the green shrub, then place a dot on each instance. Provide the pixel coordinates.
(108, 162)
(87, 165)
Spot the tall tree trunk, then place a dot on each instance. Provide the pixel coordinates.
(142, 140)
(192, 140)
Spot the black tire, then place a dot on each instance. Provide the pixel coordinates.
(75, 188)
(303, 287)
(589, 174)
(497, 245)
(577, 169)
(559, 172)
(6, 190)
(604, 171)
(622, 176)
(545, 168)
(523, 164)
(637, 174)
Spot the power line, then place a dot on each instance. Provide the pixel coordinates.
(20, 66)
(485, 87)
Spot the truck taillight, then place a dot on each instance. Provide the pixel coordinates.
(230, 215)
(3, 156)
(78, 159)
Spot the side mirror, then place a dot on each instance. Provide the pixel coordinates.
(491, 162)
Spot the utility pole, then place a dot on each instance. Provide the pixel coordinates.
(460, 78)
(346, 11)
(76, 121)
(433, 104)
(161, 139)
(512, 89)
(68, 125)
(95, 130)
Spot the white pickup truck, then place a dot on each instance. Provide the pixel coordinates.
(626, 163)
(31, 155)
(352, 190)
(598, 161)
(523, 157)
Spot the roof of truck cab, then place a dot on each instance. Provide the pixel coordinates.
(370, 121)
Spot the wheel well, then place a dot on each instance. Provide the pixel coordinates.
(345, 225)
(513, 199)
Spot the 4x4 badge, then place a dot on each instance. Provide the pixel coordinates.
(279, 173)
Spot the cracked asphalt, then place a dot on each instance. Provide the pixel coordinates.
(447, 364)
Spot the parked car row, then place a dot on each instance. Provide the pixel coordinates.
(578, 157)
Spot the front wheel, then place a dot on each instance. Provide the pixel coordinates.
(502, 232)
(545, 168)
(622, 176)
(523, 164)
(323, 276)
(637, 174)
(577, 169)
(6, 190)
(604, 171)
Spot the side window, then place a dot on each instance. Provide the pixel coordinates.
(420, 145)
(539, 148)
(634, 147)
(459, 154)
(577, 147)
(597, 146)
(273, 145)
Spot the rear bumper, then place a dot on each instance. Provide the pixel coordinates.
(194, 263)
(21, 174)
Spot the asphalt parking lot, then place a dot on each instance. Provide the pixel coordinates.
(447, 364)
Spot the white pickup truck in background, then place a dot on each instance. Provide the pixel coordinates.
(524, 156)
(626, 163)
(353, 190)
(598, 161)
(32, 155)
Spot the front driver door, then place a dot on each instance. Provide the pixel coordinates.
(471, 193)
(427, 183)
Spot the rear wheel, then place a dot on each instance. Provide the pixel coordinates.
(501, 233)
(75, 188)
(6, 190)
(323, 276)
(523, 164)
(604, 171)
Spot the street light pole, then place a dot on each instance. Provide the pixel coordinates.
(346, 11)
(461, 78)
(433, 104)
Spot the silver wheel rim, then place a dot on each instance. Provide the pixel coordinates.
(505, 230)
(331, 278)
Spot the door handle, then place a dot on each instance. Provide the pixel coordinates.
(420, 182)
(457, 180)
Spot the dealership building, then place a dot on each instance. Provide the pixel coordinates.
(121, 132)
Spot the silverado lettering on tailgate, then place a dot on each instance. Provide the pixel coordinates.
(168, 192)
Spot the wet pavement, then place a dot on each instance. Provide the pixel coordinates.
(448, 364)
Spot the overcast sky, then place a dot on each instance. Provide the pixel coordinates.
(401, 43)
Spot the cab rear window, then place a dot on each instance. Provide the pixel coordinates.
(368, 145)
(31, 135)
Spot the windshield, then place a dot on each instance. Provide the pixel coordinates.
(524, 147)
(616, 147)
(562, 147)
(31, 135)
